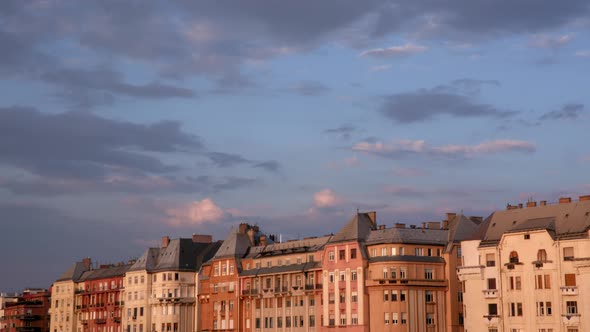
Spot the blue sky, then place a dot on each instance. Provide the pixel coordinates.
(121, 122)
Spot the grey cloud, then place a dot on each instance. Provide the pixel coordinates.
(310, 88)
(345, 131)
(567, 112)
(270, 165)
(427, 104)
(222, 159)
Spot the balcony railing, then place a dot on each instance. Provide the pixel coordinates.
(569, 290)
(250, 292)
(100, 321)
(490, 293)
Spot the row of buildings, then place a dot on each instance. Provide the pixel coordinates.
(525, 268)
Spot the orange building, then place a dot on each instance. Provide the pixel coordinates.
(27, 313)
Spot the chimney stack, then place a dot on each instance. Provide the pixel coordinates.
(564, 200)
(531, 204)
(373, 216)
(399, 225)
(251, 233)
(165, 241)
(585, 198)
(381, 227)
(243, 228)
(520, 205)
(543, 203)
(201, 238)
(433, 225)
(87, 263)
(263, 240)
(451, 216)
(445, 224)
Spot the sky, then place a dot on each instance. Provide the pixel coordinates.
(124, 121)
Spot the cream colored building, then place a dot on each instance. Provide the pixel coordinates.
(62, 298)
(530, 271)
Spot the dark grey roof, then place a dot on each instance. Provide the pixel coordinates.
(559, 219)
(282, 269)
(289, 247)
(407, 258)
(107, 272)
(463, 228)
(74, 272)
(235, 245)
(147, 261)
(409, 236)
(184, 255)
(358, 228)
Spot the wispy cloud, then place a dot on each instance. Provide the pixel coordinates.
(380, 68)
(567, 112)
(582, 54)
(195, 213)
(395, 51)
(550, 42)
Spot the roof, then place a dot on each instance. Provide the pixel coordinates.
(147, 261)
(463, 228)
(560, 219)
(235, 245)
(407, 258)
(104, 273)
(74, 272)
(408, 235)
(184, 254)
(289, 247)
(281, 269)
(358, 228)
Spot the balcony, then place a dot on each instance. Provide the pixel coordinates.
(469, 272)
(491, 320)
(570, 319)
(100, 321)
(490, 293)
(29, 317)
(569, 290)
(250, 292)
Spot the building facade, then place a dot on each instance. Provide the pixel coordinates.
(530, 271)
(27, 312)
(63, 297)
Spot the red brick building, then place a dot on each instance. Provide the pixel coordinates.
(29, 313)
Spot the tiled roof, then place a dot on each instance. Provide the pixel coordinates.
(560, 219)
(289, 247)
(178, 255)
(358, 228)
(103, 273)
(74, 272)
(147, 261)
(408, 235)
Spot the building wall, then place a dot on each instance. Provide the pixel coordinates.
(62, 307)
(218, 289)
(454, 298)
(98, 305)
(27, 314)
(136, 296)
(172, 301)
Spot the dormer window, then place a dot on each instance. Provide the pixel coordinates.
(513, 257)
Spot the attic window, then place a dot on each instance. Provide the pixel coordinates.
(494, 224)
(514, 222)
(527, 236)
(567, 215)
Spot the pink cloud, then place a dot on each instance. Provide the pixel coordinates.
(195, 213)
(326, 198)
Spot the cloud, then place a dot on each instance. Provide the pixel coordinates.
(454, 100)
(269, 165)
(582, 54)
(195, 213)
(310, 89)
(550, 42)
(326, 198)
(567, 112)
(410, 172)
(347, 162)
(395, 51)
(345, 131)
(405, 148)
(222, 159)
(380, 68)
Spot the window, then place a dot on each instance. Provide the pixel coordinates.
(269, 264)
(355, 319)
(394, 319)
(491, 283)
(401, 251)
(527, 236)
(541, 255)
(354, 297)
(513, 257)
(515, 283)
(342, 319)
(374, 252)
(331, 256)
(568, 253)
(331, 298)
(393, 295)
(353, 275)
(342, 276)
(541, 308)
(543, 281)
(385, 295)
(393, 251)
(402, 273)
(428, 274)
(548, 310)
(418, 251)
(384, 273)
(429, 252)
(311, 320)
(459, 252)
(460, 296)
(331, 277)
(490, 260)
(404, 318)
(386, 318)
(515, 309)
(342, 254)
(429, 297)
(571, 307)
(402, 296)
(492, 309)
(393, 273)
(353, 253)
(570, 279)
(429, 319)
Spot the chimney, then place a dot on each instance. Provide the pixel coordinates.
(585, 198)
(201, 238)
(520, 205)
(451, 216)
(543, 203)
(531, 204)
(381, 227)
(412, 226)
(165, 241)
(243, 228)
(399, 225)
(445, 224)
(263, 240)
(433, 225)
(424, 225)
(373, 216)
(87, 263)
(251, 233)
(564, 200)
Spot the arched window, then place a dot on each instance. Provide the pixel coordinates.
(542, 255)
(513, 257)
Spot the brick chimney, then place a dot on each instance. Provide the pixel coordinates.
(243, 228)
(201, 238)
(585, 198)
(87, 263)
(399, 225)
(263, 240)
(565, 200)
(531, 204)
(445, 224)
(520, 205)
(451, 216)
(165, 241)
(543, 203)
(373, 216)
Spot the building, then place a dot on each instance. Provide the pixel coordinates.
(99, 299)
(27, 312)
(530, 270)
(160, 287)
(62, 297)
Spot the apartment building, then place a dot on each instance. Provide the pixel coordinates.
(160, 286)
(99, 299)
(530, 271)
(281, 285)
(62, 297)
(26, 312)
